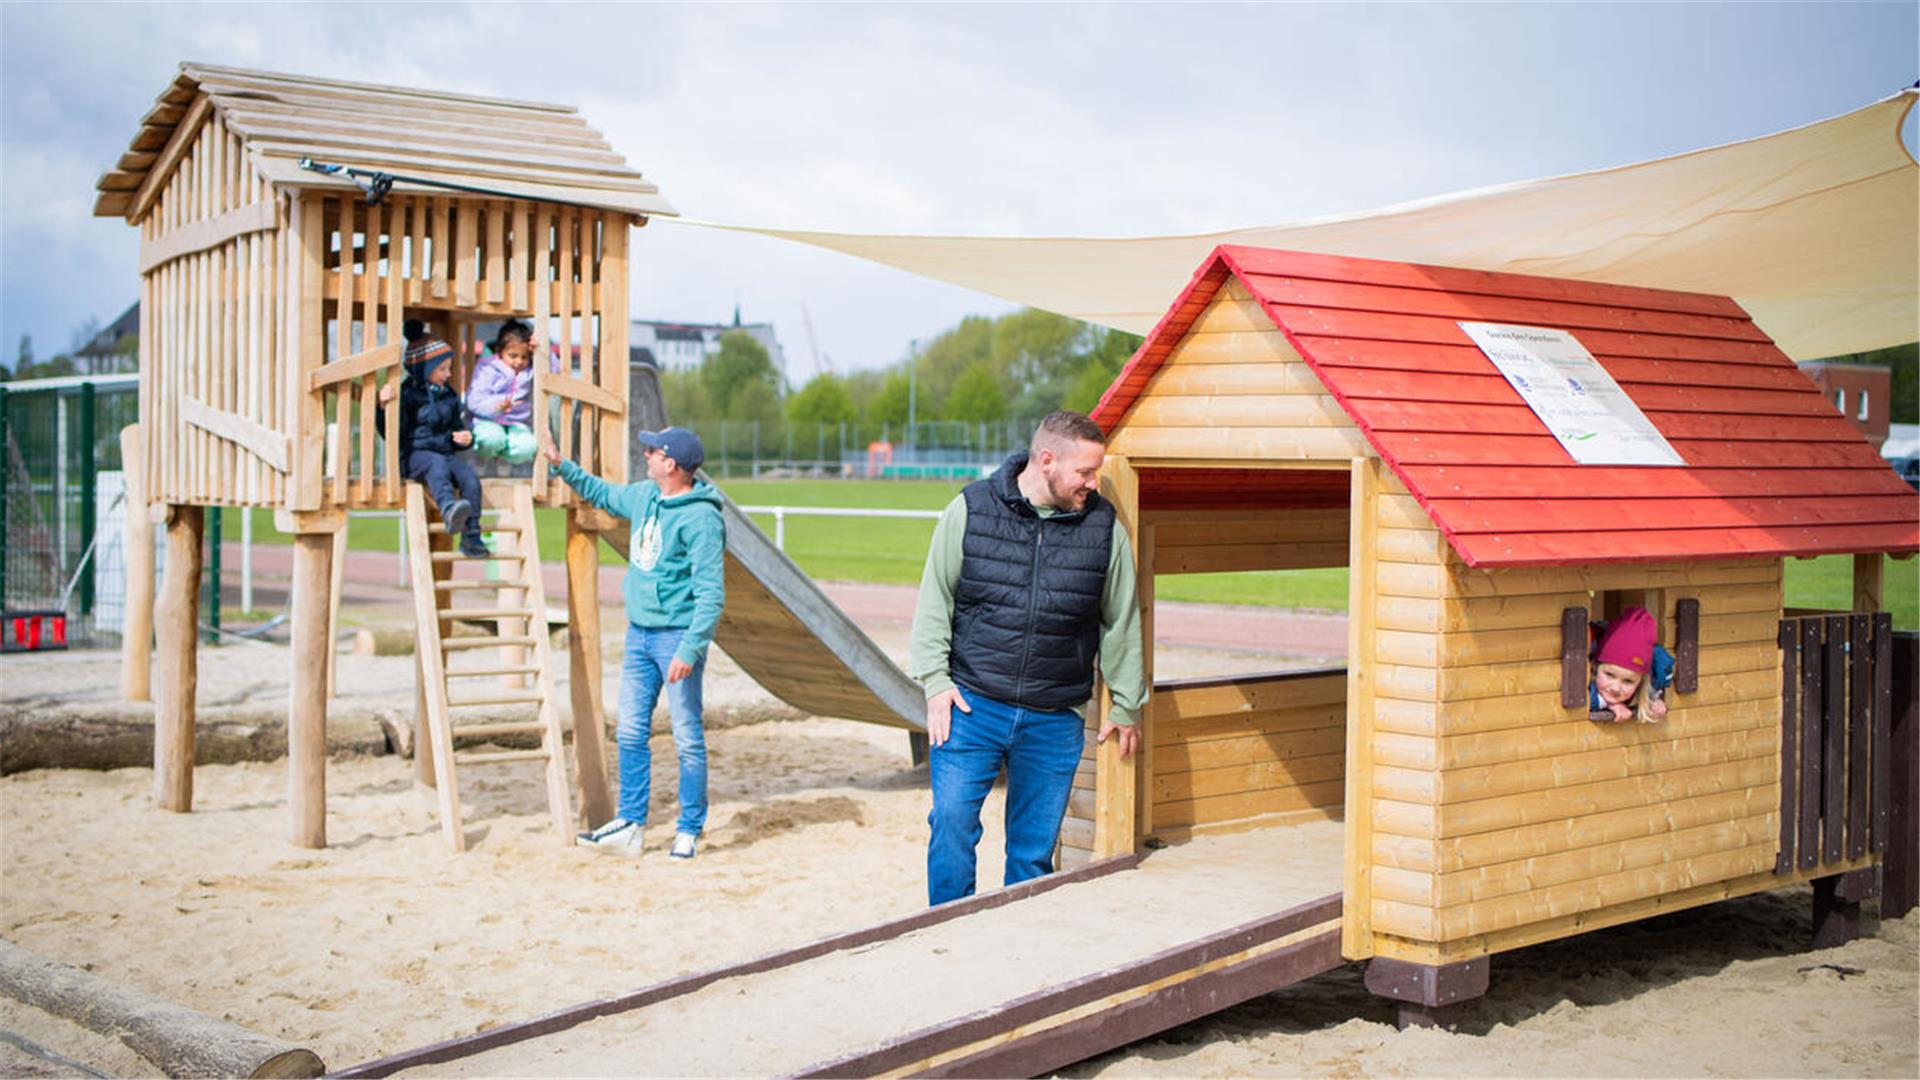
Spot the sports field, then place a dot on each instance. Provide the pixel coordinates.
(890, 551)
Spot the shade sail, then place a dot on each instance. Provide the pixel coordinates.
(1813, 231)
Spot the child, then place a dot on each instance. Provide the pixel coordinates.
(434, 426)
(501, 394)
(1626, 653)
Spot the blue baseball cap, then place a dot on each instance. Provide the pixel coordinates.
(678, 443)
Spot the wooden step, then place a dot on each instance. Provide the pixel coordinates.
(499, 756)
(486, 642)
(471, 673)
(530, 727)
(489, 613)
(454, 556)
(498, 583)
(527, 697)
(507, 526)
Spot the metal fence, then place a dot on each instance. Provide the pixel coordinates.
(934, 449)
(57, 439)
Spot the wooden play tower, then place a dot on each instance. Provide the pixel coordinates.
(272, 297)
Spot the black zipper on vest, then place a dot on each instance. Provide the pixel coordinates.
(1033, 603)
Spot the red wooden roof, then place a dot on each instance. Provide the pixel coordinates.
(1772, 469)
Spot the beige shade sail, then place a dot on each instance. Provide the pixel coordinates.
(1815, 231)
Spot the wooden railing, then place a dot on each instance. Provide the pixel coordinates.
(1836, 760)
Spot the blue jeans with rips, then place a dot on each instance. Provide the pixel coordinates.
(643, 672)
(1040, 749)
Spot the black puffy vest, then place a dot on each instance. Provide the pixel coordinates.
(1026, 613)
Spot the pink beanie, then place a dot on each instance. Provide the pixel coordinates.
(1628, 642)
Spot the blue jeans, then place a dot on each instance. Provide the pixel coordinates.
(643, 671)
(1041, 750)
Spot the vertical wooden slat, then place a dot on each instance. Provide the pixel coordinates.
(213, 393)
(1812, 740)
(440, 235)
(417, 245)
(466, 254)
(1880, 741)
(1833, 808)
(277, 303)
(202, 285)
(589, 416)
(564, 251)
(390, 449)
(496, 252)
(369, 323)
(614, 331)
(542, 338)
(307, 348)
(343, 348)
(522, 249)
(1789, 741)
(1859, 730)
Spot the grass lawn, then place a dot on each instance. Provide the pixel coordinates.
(888, 551)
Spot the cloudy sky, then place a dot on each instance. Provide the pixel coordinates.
(991, 119)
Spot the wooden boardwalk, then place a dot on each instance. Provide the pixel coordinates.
(1071, 966)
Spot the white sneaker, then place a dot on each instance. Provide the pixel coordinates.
(619, 836)
(683, 844)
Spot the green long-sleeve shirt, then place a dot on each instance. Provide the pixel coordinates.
(932, 639)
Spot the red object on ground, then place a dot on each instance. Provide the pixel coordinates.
(28, 631)
(1771, 469)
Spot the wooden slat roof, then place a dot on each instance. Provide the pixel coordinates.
(518, 147)
(1771, 468)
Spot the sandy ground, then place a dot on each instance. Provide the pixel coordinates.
(383, 941)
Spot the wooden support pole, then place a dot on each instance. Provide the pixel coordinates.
(173, 714)
(1117, 780)
(1356, 924)
(136, 636)
(1427, 993)
(1836, 905)
(307, 713)
(336, 581)
(1869, 571)
(1902, 867)
(583, 668)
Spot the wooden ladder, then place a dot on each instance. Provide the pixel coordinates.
(519, 612)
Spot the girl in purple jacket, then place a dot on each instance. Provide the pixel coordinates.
(501, 395)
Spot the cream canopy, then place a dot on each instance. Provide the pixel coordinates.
(1815, 231)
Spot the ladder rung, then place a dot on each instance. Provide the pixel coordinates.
(488, 613)
(485, 642)
(529, 697)
(470, 673)
(500, 756)
(454, 556)
(530, 727)
(497, 584)
(509, 525)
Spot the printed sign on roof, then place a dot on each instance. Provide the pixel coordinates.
(1595, 421)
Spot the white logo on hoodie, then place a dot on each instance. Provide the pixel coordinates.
(647, 552)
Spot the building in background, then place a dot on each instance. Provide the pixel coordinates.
(671, 346)
(114, 349)
(1862, 392)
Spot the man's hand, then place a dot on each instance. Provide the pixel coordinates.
(678, 669)
(940, 714)
(1128, 734)
(463, 438)
(547, 448)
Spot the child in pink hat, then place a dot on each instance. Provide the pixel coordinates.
(1627, 654)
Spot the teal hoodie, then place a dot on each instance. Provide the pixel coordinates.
(674, 554)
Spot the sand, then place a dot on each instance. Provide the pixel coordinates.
(384, 942)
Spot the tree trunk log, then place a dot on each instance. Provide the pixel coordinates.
(177, 1040)
(178, 638)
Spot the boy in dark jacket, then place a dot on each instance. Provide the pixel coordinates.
(434, 426)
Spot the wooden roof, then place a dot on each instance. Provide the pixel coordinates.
(516, 147)
(1771, 468)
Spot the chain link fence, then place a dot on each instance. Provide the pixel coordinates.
(930, 450)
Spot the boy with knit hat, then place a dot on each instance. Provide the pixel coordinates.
(1625, 656)
(434, 426)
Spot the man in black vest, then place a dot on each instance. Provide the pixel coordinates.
(1030, 577)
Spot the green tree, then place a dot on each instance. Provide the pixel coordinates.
(738, 363)
(1102, 362)
(685, 395)
(889, 405)
(1038, 350)
(824, 400)
(976, 395)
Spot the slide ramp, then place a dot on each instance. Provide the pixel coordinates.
(1015, 982)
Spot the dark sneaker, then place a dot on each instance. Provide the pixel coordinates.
(455, 514)
(619, 836)
(475, 548)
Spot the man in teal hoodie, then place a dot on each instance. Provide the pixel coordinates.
(674, 591)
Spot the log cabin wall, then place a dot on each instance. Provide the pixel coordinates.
(210, 324)
(1500, 818)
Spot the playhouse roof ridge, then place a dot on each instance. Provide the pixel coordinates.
(201, 72)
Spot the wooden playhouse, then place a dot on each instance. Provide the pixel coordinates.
(272, 298)
(1299, 410)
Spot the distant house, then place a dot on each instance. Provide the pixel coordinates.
(111, 350)
(672, 345)
(1863, 394)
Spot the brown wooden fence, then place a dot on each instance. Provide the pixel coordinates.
(1836, 707)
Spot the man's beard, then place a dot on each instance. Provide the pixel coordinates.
(1066, 496)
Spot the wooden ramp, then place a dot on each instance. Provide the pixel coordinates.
(1015, 982)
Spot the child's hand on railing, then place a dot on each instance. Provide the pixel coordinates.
(547, 448)
(389, 391)
(463, 438)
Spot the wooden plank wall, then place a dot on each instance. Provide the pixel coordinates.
(211, 305)
(1500, 818)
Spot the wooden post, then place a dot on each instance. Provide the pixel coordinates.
(1356, 926)
(307, 713)
(179, 674)
(1426, 993)
(583, 670)
(1869, 570)
(336, 581)
(1902, 866)
(1116, 779)
(136, 635)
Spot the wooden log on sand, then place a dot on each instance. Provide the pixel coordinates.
(177, 1040)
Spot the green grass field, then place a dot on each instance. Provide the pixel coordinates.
(888, 551)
